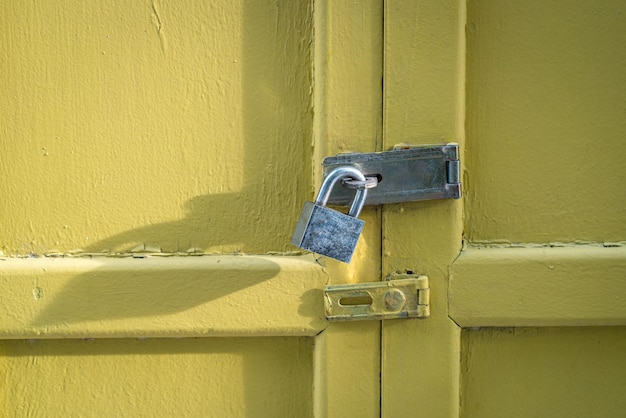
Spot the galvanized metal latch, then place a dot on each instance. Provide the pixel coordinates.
(400, 296)
(406, 173)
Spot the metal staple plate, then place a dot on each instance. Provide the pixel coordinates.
(405, 297)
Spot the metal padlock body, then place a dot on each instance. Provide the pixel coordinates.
(326, 231)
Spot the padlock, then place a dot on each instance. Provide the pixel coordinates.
(326, 231)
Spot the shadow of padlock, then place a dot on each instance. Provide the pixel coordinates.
(326, 231)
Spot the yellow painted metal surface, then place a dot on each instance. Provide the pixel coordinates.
(544, 216)
(195, 377)
(348, 117)
(133, 137)
(177, 125)
(348, 108)
(137, 135)
(542, 286)
(166, 128)
(544, 372)
(424, 103)
(198, 296)
(347, 370)
(545, 121)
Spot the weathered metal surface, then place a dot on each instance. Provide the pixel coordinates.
(407, 173)
(327, 232)
(406, 296)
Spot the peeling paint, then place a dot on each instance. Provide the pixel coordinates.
(575, 244)
(159, 26)
(37, 293)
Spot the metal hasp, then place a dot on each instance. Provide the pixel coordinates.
(400, 296)
(406, 173)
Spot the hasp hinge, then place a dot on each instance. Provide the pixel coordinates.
(453, 177)
(404, 295)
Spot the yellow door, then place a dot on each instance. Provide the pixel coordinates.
(155, 159)
(527, 273)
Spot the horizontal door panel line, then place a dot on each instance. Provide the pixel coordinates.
(579, 285)
(203, 296)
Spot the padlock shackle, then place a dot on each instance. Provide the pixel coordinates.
(332, 178)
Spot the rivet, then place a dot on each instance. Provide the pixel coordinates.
(394, 300)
